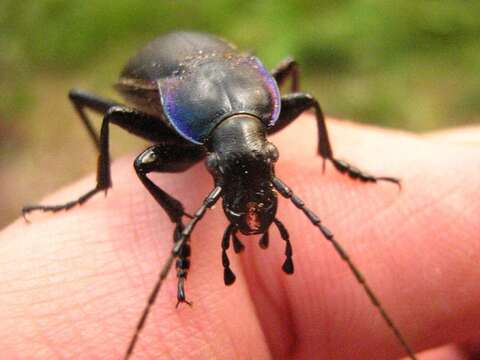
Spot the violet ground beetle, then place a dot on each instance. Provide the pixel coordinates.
(197, 97)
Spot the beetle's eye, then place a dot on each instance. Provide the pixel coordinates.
(272, 152)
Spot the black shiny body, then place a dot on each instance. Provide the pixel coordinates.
(196, 97)
(193, 82)
(158, 60)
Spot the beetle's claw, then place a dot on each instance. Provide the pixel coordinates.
(25, 211)
(183, 301)
(396, 181)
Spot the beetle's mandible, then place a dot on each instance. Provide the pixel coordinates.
(197, 97)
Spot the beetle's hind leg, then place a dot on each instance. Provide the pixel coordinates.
(287, 69)
(135, 122)
(170, 157)
(131, 120)
(292, 106)
(82, 100)
(103, 168)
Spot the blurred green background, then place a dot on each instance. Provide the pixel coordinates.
(410, 64)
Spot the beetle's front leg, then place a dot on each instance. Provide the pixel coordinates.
(292, 106)
(170, 158)
(182, 265)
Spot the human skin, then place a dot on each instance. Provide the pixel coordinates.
(74, 283)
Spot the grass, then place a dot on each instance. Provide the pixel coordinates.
(410, 65)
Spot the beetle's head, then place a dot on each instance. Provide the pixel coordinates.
(241, 161)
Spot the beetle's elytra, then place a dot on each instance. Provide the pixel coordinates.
(197, 97)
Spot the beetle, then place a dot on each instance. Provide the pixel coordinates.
(197, 97)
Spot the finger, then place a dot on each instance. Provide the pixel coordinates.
(469, 135)
(447, 352)
(418, 248)
(125, 229)
(75, 283)
(469, 350)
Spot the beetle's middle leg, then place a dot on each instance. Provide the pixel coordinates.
(169, 157)
(292, 106)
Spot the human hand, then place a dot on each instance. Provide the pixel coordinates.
(73, 284)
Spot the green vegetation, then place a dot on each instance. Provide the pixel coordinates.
(408, 64)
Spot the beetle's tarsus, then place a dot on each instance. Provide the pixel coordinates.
(184, 301)
(181, 298)
(66, 206)
(24, 214)
(396, 181)
(287, 266)
(228, 276)
(357, 174)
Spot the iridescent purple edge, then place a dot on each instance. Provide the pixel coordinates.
(273, 89)
(175, 112)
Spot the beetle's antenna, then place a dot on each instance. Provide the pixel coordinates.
(209, 201)
(286, 192)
